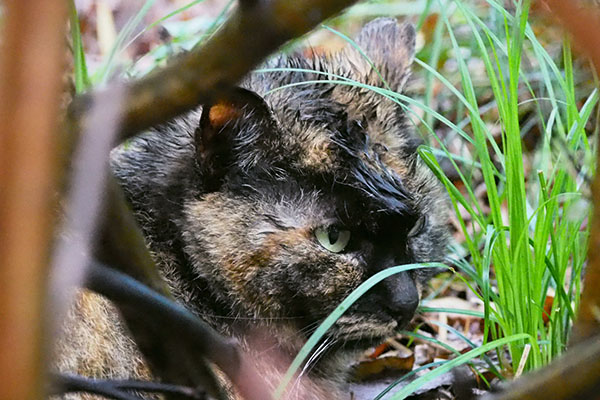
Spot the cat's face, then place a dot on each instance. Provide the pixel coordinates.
(310, 190)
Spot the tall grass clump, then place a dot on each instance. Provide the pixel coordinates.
(525, 244)
(530, 238)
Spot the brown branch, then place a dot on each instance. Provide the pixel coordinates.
(584, 26)
(573, 376)
(582, 23)
(30, 70)
(254, 31)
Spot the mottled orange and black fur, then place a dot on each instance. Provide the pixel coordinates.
(231, 195)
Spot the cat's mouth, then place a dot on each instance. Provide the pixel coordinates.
(358, 332)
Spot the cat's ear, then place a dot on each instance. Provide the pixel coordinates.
(389, 47)
(229, 123)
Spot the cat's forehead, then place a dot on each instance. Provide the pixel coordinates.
(316, 113)
(343, 139)
(338, 175)
(323, 140)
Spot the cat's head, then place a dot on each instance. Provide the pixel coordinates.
(308, 188)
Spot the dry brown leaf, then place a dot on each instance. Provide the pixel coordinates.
(391, 362)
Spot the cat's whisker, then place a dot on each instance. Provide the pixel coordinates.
(310, 328)
(304, 331)
(320, 356)
(255, 318)
(326, 344)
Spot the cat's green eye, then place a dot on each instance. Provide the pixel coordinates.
(332, 238)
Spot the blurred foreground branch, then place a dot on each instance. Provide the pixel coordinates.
(31, 68)
(84, 202)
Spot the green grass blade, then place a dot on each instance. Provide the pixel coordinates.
(465, 339)
(459, 311)
(407, 376)
(104, 72)
(360, 51)
(82, 80)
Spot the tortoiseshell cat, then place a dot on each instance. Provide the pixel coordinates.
(265, 209)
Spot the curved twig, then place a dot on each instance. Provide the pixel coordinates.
(66, 383)
(62, 384)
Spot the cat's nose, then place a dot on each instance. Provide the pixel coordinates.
(402, 297)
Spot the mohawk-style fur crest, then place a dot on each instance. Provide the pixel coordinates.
(267, 207)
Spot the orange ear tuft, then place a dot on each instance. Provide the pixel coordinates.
(220, 124)
(221, 113)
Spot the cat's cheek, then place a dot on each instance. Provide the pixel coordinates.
(323, 279)
(430, 246)
(338, 279)
(352, 270)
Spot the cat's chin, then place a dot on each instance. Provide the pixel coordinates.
(359, 332)
(350, 337)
